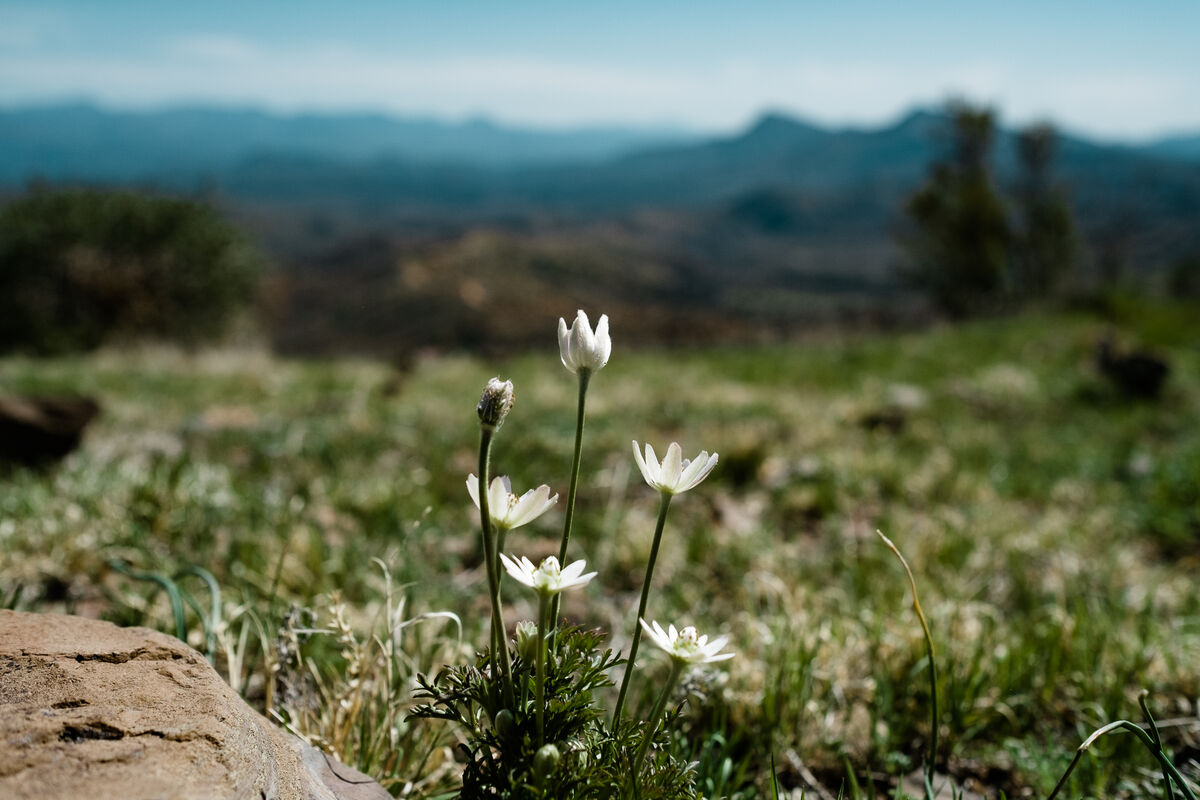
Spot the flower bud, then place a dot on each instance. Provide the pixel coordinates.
(527, 641)
(545, 761)
(504, 723)
(493, 406)
(580, 349)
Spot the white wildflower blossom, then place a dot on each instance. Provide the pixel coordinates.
(686, 646)
(579, 347)
(547, 578)
(675, 474)
(506, 509)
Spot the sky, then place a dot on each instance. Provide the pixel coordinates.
(1113, 70)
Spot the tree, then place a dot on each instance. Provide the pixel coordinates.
(79, 267)
(1046, 247)
(958, 246)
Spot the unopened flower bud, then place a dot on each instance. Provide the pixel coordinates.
(527, 641)
(582, 350)
(504, 723)
(493, 406)
(545, 761)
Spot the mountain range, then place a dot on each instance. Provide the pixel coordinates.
(765, 229)
(83, 141)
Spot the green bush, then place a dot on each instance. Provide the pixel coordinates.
(79, 267)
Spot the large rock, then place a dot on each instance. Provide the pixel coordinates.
(37, 431)
(90, 710)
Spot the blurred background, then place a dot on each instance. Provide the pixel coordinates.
(393, 178)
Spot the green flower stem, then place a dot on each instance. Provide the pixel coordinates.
(1145, 738)
(501, 536)
(543, 608)
(656, 717)
(663, 505)
(931, 763)
(584, 377)
(499, 643)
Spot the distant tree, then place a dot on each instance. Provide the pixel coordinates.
(1046, 246)
(80, 266)
(959, 242)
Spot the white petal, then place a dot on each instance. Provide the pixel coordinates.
(532, 505)
(581, 337)
(672, 467)
(657, 635)
(564, 345)
(473, 488)
(692, 470)
(698, 470)
(653, 466)
(603, 346)
(642, 464)
(498, 492)
(517, 571)
(575, 583)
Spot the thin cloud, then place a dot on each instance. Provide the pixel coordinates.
(221, 68)
(220, 49)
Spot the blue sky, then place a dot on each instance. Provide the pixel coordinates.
(1111, 69)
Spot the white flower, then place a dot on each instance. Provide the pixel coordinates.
(579, 348)
(675, 474)
(546, 578)
(506, 509)
(685, 646)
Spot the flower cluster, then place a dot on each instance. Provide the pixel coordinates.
(551, 660)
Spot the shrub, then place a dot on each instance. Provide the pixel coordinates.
(79, 267)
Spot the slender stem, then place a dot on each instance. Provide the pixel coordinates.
(543, 608)
(501, 536)
(499, 643)
(933, 696)
(1168, 791)
(584, 377)
(1145, 738)
(655, 717)
(1063, 780)
(663, 504)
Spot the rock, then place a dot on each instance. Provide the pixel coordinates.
(1138, 373)
(90, 710)
(39, 430)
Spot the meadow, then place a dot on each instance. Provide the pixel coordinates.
(1052, 525)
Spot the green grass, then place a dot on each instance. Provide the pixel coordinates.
(1053, 528)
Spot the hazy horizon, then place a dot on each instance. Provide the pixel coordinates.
(665, 129)
(1093, 68)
